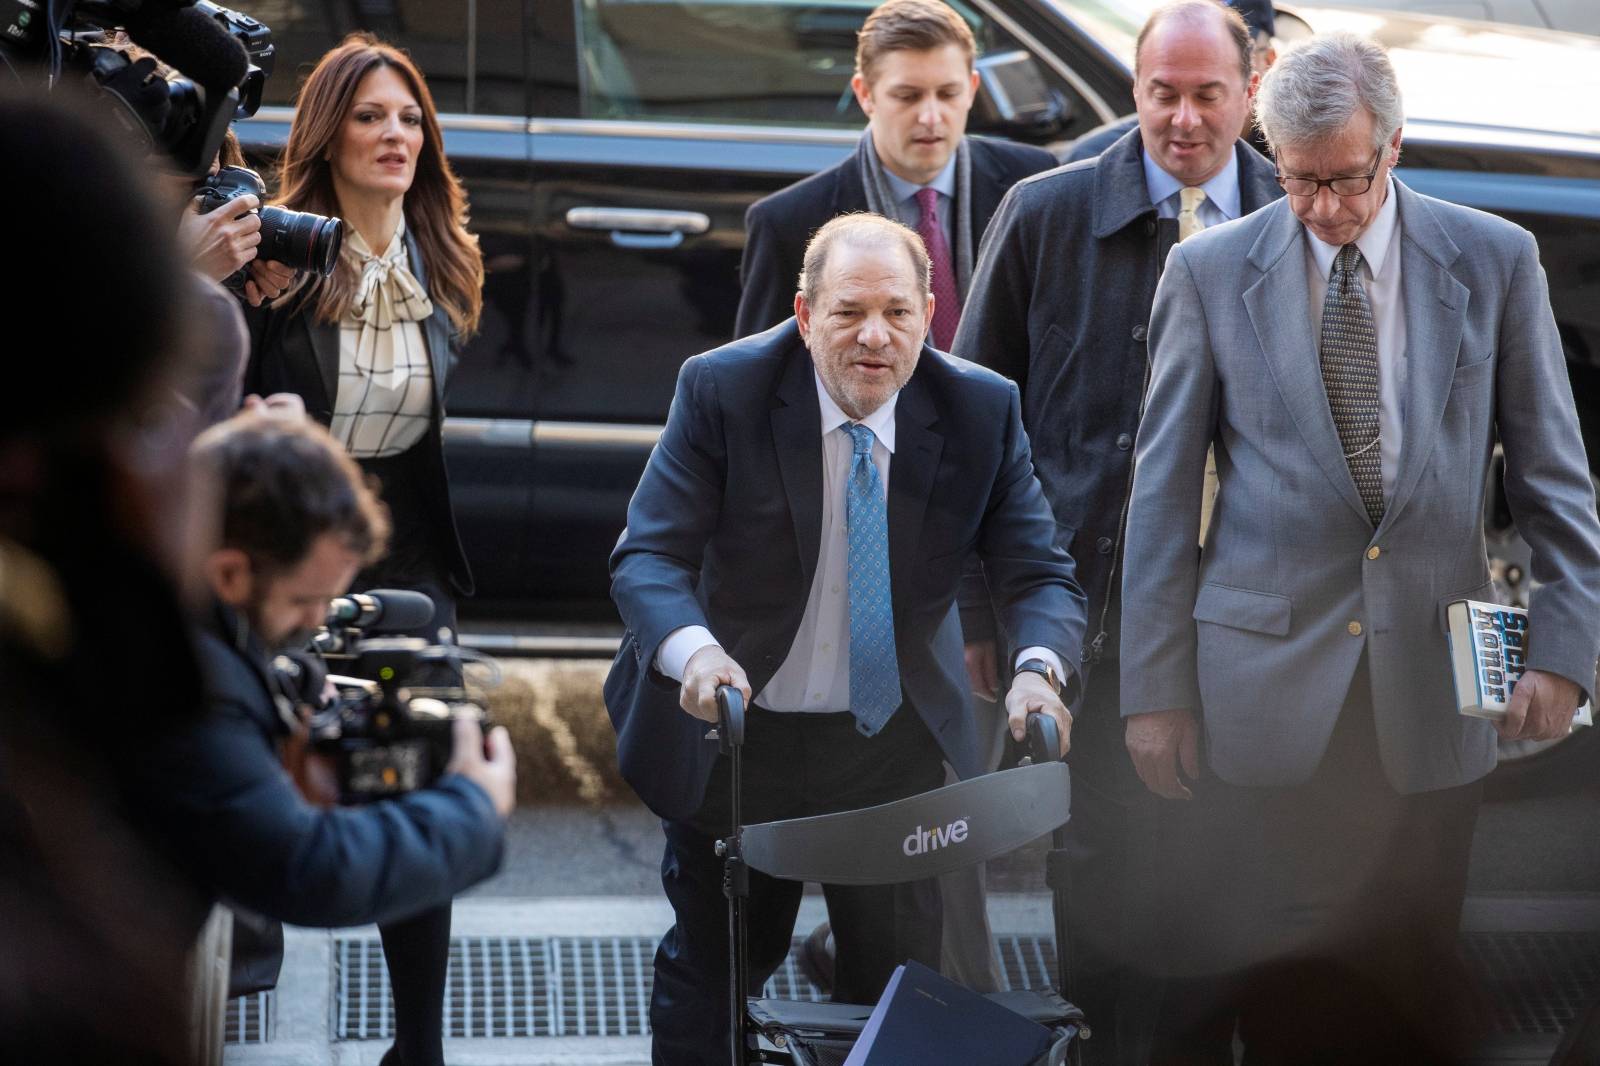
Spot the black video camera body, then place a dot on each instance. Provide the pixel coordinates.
(296, 238)
(220, 61)
(386, 733)
(390, 728)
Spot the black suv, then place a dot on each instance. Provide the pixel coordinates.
(610, 148)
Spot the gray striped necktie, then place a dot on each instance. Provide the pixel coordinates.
(1350, 376)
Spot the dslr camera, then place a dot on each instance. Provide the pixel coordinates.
(389, 727)
(296, 238)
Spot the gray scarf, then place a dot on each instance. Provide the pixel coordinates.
(881, 200)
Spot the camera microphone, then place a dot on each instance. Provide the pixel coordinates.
(192, 42)
(382, 609)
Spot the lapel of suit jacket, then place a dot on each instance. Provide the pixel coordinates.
(1280, 312)
(322, 349)
(1435, 311)
(436, 328)
(989, 187)
(917, 448)
(797, 438)
(848, 193)
(1120, 192)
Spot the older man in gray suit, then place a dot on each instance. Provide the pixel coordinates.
(1352, 352)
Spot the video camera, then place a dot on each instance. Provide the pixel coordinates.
(222, 59)
(389, 727)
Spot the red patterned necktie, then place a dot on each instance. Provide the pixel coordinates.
(946, 304)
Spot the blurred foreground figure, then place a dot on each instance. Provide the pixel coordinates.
(91, 649)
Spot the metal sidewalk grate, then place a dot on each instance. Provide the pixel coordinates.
(564, 986)
(249, 1019)
(1534, 983)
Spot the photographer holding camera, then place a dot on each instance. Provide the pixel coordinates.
(223, 234)
(298, 521)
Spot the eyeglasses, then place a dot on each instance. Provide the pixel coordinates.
(1347, 185)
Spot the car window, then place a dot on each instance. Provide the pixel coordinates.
(784, 62)
(488, 77)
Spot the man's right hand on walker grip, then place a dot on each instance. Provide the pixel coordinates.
(707, 669)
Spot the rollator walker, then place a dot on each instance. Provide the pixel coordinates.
(1003, 811)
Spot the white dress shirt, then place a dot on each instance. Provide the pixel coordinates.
(905, 198)
(1380, 277)
(815, 675)
(1222, 192)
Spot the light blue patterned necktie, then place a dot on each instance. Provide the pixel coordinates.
(874, 670)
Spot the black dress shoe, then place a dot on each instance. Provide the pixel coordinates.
(816, 958)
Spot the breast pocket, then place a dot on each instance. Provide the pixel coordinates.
(1258, 612)
(1473, 375)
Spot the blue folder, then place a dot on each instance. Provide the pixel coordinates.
(930, 1020)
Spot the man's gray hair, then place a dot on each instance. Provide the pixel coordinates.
(862, 229)
(1313, 90)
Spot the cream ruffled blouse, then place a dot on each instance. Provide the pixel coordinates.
(385, 395)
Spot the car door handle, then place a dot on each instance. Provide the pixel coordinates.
(640, 228)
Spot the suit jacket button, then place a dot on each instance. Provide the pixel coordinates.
(1374, 551)
(1150, 228)
(1124, 441)
(1138, 332)
(1103, 545)
(1354, 629)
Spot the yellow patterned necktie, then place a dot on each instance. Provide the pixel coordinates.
(1189, 200)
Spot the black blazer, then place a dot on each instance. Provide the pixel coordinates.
(724, 532)
(290, 351)
(777, 227)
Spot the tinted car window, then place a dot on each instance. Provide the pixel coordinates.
(498, 67)
(489, 78)
(772, 61)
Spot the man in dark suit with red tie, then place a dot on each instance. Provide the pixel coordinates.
(915, 81)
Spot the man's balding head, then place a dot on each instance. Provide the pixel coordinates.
(1193, 86)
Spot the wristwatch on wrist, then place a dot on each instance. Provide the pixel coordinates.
(1044, 670)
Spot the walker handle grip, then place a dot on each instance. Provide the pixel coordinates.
(730, 717)
(1044, 738)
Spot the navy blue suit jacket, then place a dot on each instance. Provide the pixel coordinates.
(724, 530)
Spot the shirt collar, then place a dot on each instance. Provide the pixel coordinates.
(1374, 243)
(944, 183)
(1222, 190)
(881, 421)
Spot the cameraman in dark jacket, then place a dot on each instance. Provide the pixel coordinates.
(298, 521)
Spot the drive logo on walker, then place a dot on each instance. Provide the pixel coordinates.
(920, 841)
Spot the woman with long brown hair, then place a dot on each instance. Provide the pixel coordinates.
(369, 349)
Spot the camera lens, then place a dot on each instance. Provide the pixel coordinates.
(301, 239)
